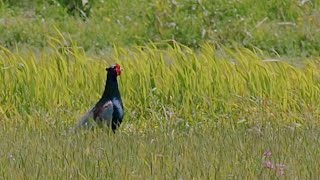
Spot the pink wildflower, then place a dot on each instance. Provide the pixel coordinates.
(280, 169)
(268, 164)
(267, 153)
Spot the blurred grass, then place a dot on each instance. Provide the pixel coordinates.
(288, 27)
(189, 114)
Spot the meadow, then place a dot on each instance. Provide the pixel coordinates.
(211, 90)
(189, 114)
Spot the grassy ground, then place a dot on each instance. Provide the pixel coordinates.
(218, 110)
(189, 114)
(288, 27)
(208, 151)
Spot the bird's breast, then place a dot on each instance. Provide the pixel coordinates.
(118, 109)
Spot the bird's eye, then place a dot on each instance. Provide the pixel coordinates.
(113, 66)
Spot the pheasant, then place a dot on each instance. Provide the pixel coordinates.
(109, 109)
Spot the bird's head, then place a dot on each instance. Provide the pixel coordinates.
(114, 70)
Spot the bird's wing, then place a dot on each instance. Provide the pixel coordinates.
(103, 113)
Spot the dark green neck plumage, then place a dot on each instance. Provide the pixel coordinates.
(111, 88)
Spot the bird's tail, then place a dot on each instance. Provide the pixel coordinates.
(84, 122)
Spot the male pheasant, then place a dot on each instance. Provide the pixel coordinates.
(109, 109)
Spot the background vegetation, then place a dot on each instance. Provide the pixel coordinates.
(206, 91)
(288, 27)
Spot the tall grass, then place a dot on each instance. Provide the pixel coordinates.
(178, 82)
(189, 114)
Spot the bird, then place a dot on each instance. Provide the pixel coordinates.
(108, 111)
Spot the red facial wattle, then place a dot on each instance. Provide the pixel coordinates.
(118, 69)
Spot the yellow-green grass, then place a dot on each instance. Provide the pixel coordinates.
(202, 114)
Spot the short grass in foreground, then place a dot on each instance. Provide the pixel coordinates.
(188, 114)
(205, 151)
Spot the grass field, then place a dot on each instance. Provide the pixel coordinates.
(224, 89)
(190, 114)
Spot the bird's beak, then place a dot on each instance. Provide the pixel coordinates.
(121, 69)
